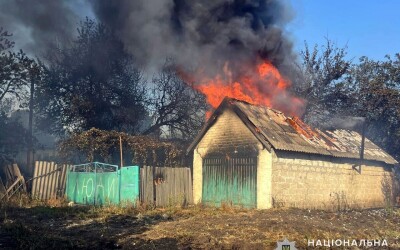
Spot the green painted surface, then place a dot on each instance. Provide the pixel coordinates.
(233, 181)
(129, 184)
(103, 188)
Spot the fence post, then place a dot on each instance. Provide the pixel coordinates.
(119, 175)
(154, 186)
(66, 182)
(95, 183)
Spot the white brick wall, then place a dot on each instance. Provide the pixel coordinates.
(325, 183)
(264, 184)
(292, 179)
(227, 134)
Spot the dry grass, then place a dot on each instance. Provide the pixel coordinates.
(54, 224)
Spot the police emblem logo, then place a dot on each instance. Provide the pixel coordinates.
(286, 245)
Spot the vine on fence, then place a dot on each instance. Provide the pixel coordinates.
(144, 149)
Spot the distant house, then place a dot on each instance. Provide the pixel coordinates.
(257, 157)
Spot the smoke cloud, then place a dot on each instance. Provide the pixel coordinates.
(37, 25)
(201, 35)
(331, 122)
(347, 122)
(205, 36)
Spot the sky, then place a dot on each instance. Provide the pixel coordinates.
(368, 28)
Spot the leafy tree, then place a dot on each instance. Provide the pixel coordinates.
(17, 71)
(375, 95)
(93, 83)
(13, 138)
(14, 71)
(333, 86)
(322, 81)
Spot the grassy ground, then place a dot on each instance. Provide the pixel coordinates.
(34, 225)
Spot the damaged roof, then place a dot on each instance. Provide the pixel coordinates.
(275, 130)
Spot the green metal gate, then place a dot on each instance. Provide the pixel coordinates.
(99, 183)
(230, 180)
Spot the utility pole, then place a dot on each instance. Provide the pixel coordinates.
(120, 150)
(29, 158)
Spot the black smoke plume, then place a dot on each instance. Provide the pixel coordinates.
(37, 25)
(201, 35)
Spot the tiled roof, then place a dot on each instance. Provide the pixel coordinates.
(291, 134)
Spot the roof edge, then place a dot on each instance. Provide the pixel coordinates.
(208, 124)
(229, 102)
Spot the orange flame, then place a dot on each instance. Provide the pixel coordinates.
(263, 86)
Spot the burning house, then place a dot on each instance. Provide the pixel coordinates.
(257, 157)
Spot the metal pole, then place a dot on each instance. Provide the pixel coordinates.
(362, 146)
(95, 183)
(362, 142)
(120, 149)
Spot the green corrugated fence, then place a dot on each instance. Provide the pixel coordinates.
(98, 183)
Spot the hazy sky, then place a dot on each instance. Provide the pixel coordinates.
(369, 27)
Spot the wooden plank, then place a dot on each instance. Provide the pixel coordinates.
(148, 184)
(141, 172)
(159, 191)
(167, 186)
(15, 170)
(57, 180)
(168, 198)
(49, 180)
(145, 184)
(55, 175)
(182, 180)
(45, 170)
(14, 185)
(9, 175)
(2, 189)
(40, 180)
(63, 181)
(176, 186)
(159, 194)
(34, 182)
(17, 173)
(52, 181)
(60, 180)
(43, 190)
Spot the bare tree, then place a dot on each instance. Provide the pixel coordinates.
(177, 110)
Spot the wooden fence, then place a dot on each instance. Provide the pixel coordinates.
(171, 186)
(163, 185)
(49, 180)
(14, 181)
